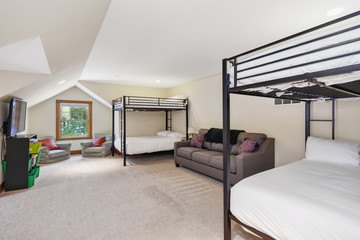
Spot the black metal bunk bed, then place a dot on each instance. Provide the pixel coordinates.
(150, 104)
(315, 88)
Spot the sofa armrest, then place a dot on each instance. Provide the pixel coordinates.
(251, 163)
(106, 145)
(85, 145)
(64, 146)
(179, 145)
(44, 150)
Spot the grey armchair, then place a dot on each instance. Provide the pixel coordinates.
(88, 150)
(50, 156)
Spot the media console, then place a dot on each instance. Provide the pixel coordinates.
(19, 173)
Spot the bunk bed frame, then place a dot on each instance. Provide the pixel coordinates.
(149, 104)
(318, 90)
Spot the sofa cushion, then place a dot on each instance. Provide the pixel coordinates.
(217, 147)
(215, 135)
(259, 138)
(204, 156)
(217, 162)
(186, 152)
(203, 130)
(207, 145)
(93, 150)
(56, 153)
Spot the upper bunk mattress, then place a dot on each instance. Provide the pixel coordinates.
(301, 200)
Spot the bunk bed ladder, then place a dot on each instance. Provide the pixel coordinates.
(121, 132)
(113, 128)
(308, 119)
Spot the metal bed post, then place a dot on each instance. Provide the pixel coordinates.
(124, 130)
(170, 120)
(113, 131)
(226, 153)
(166, 121)
(333, 118)
(121, 131)
(187, 120)
(307, 120)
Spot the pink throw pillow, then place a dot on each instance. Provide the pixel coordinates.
(48, 142)
(247, 146)
(97, 142)
(197, 140)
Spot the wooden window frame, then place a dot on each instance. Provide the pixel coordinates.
(58, 120)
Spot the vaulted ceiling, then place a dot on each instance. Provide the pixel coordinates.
(47, 46)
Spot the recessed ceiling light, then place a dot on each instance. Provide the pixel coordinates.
(335, 11)
(61, 82)
(157, 81)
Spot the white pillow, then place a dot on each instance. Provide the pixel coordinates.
(334, 151)
(163, 133)
(177, 135)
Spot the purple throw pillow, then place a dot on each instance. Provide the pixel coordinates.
(197, 140)
(247, 146)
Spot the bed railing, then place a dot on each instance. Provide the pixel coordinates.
(238, 61)
(149, 103)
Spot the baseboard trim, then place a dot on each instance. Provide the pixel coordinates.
(75, 152)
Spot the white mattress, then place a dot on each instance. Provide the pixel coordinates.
(302, 200)
(148, 144)
(341, 62)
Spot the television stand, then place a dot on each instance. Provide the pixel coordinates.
(17, 161)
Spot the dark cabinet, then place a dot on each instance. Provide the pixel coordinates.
(17, 162)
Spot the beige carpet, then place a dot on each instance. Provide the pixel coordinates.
(98, 198)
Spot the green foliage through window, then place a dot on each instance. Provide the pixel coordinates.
(74, 119)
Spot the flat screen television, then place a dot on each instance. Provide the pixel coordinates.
(17, 117)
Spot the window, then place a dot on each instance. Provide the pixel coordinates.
(279, 101)
(73, 119)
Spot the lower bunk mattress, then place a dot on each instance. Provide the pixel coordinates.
(302, 200)
(147, 144)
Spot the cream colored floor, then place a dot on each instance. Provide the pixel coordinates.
(98, 198)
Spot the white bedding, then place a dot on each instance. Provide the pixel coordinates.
(147, 144)
(302, 200)
(340, 62)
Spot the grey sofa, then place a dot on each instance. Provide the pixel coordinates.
(209, 159)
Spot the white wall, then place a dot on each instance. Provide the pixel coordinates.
(111, 91)
(255, 114)
(4, 112)
(138, 123)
